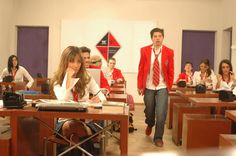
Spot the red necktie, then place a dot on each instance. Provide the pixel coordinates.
(75, 96)
(156, 70)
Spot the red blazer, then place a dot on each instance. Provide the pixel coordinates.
(167, 66)
(103, 80)
(116, 74)
(182, 76)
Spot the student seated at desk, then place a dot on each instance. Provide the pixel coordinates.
(72, 82)
(112, 74)
(226, 79)
(187, 75)
(17, 72)
(85, 52)
(96, 61)
(205, 75)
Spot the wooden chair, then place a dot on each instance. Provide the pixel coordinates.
(40, 81)
(63, 141)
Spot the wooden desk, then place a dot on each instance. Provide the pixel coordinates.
(202, 131)
(118, 85)
(227, 140)
(5, 144)
(106, 113)
(117, 97)
(179, 109)
(192, 93)
(212, 102)
(172, 93)
(117, 90)
(231, 114)
(171, 101)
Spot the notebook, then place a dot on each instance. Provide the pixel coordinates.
(65, 107)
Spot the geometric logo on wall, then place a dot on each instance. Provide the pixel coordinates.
(108, 46)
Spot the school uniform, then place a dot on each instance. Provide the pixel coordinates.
(19, 76)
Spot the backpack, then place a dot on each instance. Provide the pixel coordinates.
(131, 126)
(130, 101)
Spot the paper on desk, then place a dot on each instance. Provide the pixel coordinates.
(111, 103)
(91, 104)
(84, 103)
(1, 104)
(55, 101)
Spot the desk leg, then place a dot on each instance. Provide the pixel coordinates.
(14, 135)
(25, 136)
(124, 136)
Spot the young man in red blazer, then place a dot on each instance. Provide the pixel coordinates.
(155, 79)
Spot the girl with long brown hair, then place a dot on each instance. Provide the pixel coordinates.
(226, 78)
(72, 82)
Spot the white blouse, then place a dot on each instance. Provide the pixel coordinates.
(224, 85)
(197, 79)
(234, 91)
(65, 94)
(19, 77)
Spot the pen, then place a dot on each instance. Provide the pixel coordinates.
(96, 93)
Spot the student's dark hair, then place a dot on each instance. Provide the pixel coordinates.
(207, 62)
(85, 49)
(226, 61)
(112, 59)
(10, 63)
(157, 30)
(189, 63)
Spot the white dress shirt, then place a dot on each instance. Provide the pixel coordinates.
(19, 77)
(197, 79)
(65, 94)
(149, 83)
(224, 85)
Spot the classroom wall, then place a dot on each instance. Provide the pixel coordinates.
(172, 15)
(229, 20)
(6, 20)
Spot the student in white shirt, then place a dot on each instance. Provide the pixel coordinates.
(205, 75)
(72, 82)
(17, 72)
(226, 79)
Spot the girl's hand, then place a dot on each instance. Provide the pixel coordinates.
(232, 77)
(219, 78)
(95, 99)
(208, 81)
(140, 91)
(119, 80)
(70, 72)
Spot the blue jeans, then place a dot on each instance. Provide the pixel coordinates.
(156, 103)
